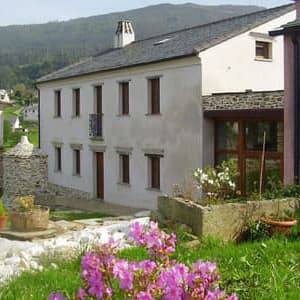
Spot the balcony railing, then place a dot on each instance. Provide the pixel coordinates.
(95, 126)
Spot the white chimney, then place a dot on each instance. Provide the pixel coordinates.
(124, 35)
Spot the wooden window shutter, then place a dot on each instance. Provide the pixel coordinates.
(77, 162)
(99, 99)
(58, 103)
(125, 168)
(155, 96)
(125, 98)
(155, 172)
(77, 102)
(58, 158)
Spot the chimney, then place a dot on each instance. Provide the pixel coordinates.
(125, 34)
(298, 8)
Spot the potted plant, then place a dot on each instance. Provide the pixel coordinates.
(26, 216)
(3, 216)
(280, 223)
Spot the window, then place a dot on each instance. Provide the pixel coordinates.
(76, 159)
(154, 172)
(57, 104)
(263, 50)
(96, 118)
(154, 96)
(124, 169)
(243, 141)
(124, 98)
(76, 102)
(58, 159)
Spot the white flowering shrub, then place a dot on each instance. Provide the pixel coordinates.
(218, 184)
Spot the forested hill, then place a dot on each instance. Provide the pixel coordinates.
(30, 51)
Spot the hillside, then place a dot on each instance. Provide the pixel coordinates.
(30, 51)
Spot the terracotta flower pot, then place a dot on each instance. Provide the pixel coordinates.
(279, 227)
(3, 222)
(36, 219)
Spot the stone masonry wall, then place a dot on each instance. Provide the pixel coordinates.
(25, 172)
(247, 100)
(225, 221)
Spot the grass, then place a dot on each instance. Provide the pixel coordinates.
(267, 270)
(71, 216)
(12, 138)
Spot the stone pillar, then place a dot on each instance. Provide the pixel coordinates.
(25, 171)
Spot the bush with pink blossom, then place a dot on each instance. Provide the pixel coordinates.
(105, 276)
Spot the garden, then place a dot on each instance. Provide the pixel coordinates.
(263, 263)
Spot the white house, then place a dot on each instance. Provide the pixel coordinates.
(125, 125)
(15, 123)
(31, 112)
(4, 97)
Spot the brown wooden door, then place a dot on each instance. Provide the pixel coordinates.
(100, 175)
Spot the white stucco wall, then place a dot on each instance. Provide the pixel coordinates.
(177, 131)
(31, 113)
(231, 66)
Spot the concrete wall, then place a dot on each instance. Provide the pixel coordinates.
(177, 131)
(232, 67)
(226, 221)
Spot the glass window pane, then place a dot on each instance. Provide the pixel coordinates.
(252, 175)
(227, 135)
(224, 157)
(273, 172)
(254, 132)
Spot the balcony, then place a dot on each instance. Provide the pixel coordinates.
(95, 126)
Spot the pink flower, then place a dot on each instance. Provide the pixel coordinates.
(81, 294)
(144, 296)
(56, 296)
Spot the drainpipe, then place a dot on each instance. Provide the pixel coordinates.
(296, 110)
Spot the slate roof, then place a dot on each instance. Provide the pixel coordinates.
(182, 43)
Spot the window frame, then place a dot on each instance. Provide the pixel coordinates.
(154, 171)
(76, 162)
(76, 102)
(154, 96)
(124, 177)
(58, 159)
(57, 104)
(267, 47)
(124, 102)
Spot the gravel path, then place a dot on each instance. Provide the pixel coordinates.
(16, 256)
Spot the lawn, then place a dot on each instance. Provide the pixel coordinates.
(71, 216)
(12, 138)
(268, 269)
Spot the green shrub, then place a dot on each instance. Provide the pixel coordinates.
(2, 209)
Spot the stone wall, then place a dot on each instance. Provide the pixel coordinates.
(25, 171)
(247, 100)
(1, 168)
(225, 221)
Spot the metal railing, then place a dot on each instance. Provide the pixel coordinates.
(95, 125)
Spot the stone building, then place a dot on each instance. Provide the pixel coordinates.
(25, 171)
(125, 125)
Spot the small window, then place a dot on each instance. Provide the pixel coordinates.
(76, 159)
(124, 98)
(124, 168)
(58, 159)
(76, 102)
(57, 104)
(154, 96)
(263, 50)
(154, 172)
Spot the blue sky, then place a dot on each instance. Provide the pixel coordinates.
(42, 11)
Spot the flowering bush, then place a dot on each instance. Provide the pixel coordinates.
(218, 184)
(25, 203)
(105, 276)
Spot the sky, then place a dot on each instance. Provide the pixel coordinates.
(43, 11)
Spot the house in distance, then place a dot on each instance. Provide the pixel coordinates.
(125, 125)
